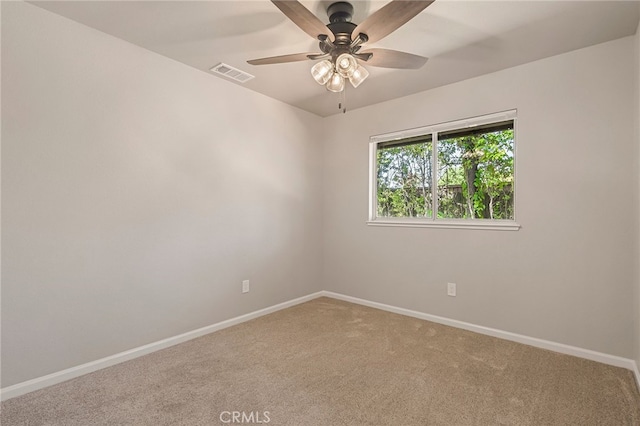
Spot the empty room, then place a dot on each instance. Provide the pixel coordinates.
(320, 212)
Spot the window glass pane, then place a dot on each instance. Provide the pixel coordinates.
(475, 173)
(404, 178)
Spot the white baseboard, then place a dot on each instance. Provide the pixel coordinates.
(636, 371)
(73, 372)
(616, 361)
(70, 373)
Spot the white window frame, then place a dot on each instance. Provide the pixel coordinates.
(489, 224)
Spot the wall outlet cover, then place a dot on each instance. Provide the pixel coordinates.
(451, 289)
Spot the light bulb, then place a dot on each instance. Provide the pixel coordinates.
(359, 75)
(336, 83)
(321, 71)
(346, 65)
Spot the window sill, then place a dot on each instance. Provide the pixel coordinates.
(491, 225)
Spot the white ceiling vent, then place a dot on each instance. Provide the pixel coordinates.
(232, 73)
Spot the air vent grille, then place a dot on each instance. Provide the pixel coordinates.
(232, 73)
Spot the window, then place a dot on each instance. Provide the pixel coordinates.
(458, 174)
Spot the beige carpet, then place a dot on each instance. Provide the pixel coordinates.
(328, 362)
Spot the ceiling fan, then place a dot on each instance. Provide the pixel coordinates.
(341, 41)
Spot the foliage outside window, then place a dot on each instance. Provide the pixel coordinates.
(458, 173)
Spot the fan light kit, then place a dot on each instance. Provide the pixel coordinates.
(341, 40)
(334, 75)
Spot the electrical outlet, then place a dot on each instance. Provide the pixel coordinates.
(451, 289)
(245, 286)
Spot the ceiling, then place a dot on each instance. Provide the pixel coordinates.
(463, 39)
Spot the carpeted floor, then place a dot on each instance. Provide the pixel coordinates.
(328, 362)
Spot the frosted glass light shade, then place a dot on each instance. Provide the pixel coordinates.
(346, 65)
(359, 75)
(321, 71)
(336, 83)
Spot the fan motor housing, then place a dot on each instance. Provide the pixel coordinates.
(340, 14)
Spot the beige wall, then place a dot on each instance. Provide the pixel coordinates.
(567, 274)
(137, 194)
(637, 252)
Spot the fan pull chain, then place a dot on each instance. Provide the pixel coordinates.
(342, 101)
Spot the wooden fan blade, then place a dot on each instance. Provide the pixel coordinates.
(389, 18)
(387, 58)
(303, 18)
(295, 57)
